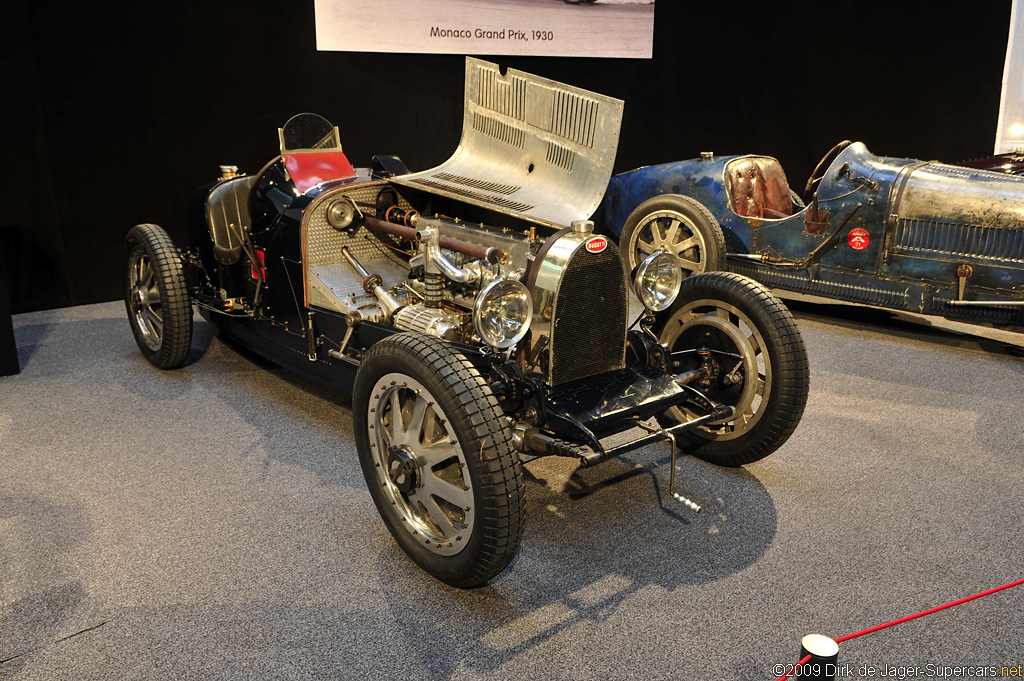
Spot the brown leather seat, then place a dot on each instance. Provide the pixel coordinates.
(758, 188)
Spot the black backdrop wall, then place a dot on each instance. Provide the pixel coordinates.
(111, 118)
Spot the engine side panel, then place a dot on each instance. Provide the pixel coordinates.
(329, 282)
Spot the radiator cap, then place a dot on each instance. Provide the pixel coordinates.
(582, 226)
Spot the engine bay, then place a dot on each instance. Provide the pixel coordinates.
(421, 273)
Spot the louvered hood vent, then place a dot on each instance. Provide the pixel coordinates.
(530, 147)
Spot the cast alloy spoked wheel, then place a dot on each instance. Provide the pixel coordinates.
(156, 297)
(724, 340)
(420, 465)
(436, 452)
(679, 225)
(144, 299)
(753, 358)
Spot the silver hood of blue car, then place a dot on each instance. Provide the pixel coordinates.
(531, 147)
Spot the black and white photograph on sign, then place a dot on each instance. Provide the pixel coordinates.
(553, 28)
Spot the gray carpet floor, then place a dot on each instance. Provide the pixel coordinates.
(212, 523)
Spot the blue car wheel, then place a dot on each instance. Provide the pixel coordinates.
(678, 224)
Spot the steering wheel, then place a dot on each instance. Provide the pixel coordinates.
(819, 170)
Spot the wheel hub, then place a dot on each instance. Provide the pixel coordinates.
(141, 297)
(402, 469)
(710, 367)
(728, 355)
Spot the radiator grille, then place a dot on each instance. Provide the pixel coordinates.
(588, 327)
(936, 238)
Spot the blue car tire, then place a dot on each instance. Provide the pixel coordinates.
(678, 224)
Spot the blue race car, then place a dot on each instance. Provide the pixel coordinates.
(898, 233)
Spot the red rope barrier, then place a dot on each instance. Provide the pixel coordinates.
(906, 619)
(928, 611)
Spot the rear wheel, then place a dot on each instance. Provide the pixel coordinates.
(755, 361)
(156, 297)
(437, 456)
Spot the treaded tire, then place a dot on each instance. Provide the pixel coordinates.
(156, 297)
(696, 223)
(735, 314)
(459, 440)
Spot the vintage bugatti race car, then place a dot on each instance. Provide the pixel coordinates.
(920, 236)
(473, 314)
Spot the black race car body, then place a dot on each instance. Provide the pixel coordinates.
(472, 313)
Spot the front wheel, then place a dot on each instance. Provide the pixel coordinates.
(753, 357)
(156, 297)
(678, 224)
(437, 456)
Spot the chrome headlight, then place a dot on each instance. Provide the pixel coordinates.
(502, 313)
(657, 280)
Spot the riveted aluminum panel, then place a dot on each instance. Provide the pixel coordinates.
(531, 147)
(330, 282)
(957, 195)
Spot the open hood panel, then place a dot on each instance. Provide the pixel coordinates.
(531, 147)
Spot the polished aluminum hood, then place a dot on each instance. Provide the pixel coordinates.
(530, 147)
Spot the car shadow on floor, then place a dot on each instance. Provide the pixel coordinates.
(598, 543)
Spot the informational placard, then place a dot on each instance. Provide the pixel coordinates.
(556, 28)
(1010, 133)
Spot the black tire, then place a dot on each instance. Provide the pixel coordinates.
(458, 509)
(740, 321)
(679, 224)
(156, 297)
